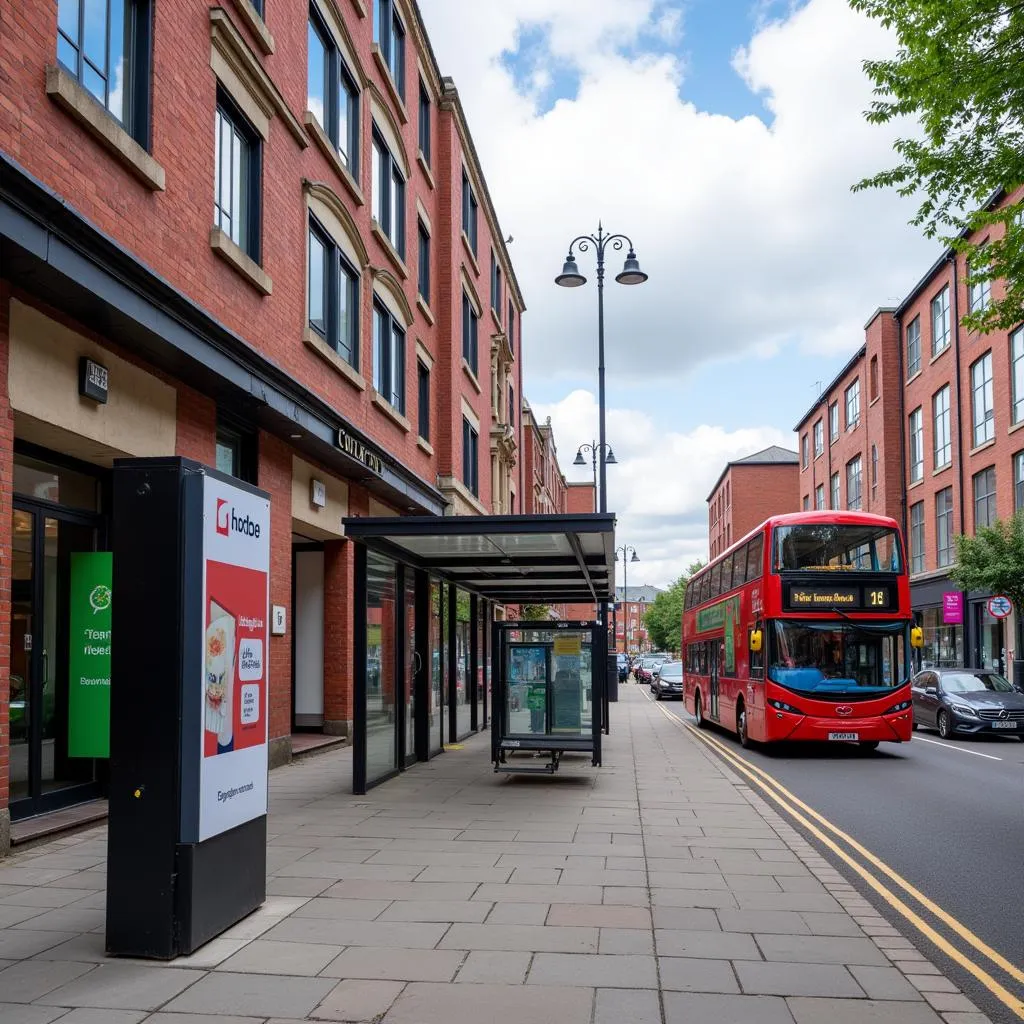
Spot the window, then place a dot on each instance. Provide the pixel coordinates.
(511, 407)
(942, 431)
(236, 186)
(258, 5)
(978, 292)
(470, 325)
(819, 496)
(913, 336)
(874, 469)
(333, 295)
(423, 400)
(105, 45)
(804, 451)
(807, 502)
(388, 358)
(940, 321)
(819, 438)
(333, 96)
(236, 452)
(853, 404)
(916, 445)
(423, 265)
(1017, 375)
(984, 497)
(834, 491)
(469, 212)
(944, 527)
(833, 421)
(873, 377)
(981, 400)
(424, 123)
(470, 458)
(1018, 482)
(388, 194)
(496, 285)
(389, 35)
(510, 327)
(853, 480)
(917, 537)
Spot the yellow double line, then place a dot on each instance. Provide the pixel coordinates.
(810, 819)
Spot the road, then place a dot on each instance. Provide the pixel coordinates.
(947, 816)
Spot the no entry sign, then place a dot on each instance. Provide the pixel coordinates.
(999, 607)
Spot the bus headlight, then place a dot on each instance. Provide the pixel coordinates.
(904, 705)
(780, 706)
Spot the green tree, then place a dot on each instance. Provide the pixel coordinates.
(958, 74)
(664, 618)
(993, 560)
(534, 612)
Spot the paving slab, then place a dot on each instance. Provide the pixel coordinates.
(357, 1000)
(706, 1008)
(394, 964)
(599, 916)
(531, 938)
(122, 986)
(15, 1013)
(706, 944)
(265, 956)
(688, 974)
(496, 1004)
(821, 949)
(252, 995)
(485, 966)
(87, 1015)
(788, 979)
(28, 980)
(861, 1011)
(620, 1006)
(593, 970)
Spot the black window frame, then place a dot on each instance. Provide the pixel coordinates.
(912, 334)
(390, 36)
(337, 266)
(940, 304)
(424, 125)
(384, 357)
(423, 260)
(859, 477)
(986, 498)
(851, 397)
(339, 84)
(511, 406)
(510, 327)
(423, 400)
(252, 174)
(915, 443)
(389, 176)
(138, 62)
(987, 389)
(244, 442)
(1018, 481)
(916, 531)
(470, 212)
(943, 416)
(944, 552)
(496, 296)
(470, 334)
(470, 457)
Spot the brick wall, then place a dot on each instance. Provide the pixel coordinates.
(746, 495)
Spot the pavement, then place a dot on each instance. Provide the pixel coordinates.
(656, 889)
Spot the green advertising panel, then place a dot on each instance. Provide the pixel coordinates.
(89, 654)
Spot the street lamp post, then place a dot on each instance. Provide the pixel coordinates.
(625, 551)
(570, 277)
(593, 448)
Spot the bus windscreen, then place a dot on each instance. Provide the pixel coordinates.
(835, 547)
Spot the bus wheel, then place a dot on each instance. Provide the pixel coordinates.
(698, 711)
(741, 726)
(867, 745)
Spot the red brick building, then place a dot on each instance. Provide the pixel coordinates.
(340, 326)
(544, 484)
(748, 491)
(631, 606)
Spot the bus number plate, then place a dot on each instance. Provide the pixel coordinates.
(854, 736)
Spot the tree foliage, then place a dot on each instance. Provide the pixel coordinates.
(664, 617)
(993, 560)
(534, 612)
(959, 75)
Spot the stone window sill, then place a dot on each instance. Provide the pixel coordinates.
(938, 355)
(423, 444)
(942, 469)
(468, 371)
(468, 246)
(326, 147)
(981, 447)
(256, 25)
(917, 373)
(77, 102)
(389, 82)
(239, 261)
(425, 309)
(390, 250)
(313, 341)
(391, 412)
(425, 168)
(1016, 427)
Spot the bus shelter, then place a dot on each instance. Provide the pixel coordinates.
(431, 644)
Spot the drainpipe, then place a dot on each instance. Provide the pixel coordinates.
(902, 406)
(954, 308)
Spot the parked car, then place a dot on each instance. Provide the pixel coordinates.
(623, 666)
(656, 661)
(967, 702)
(644, 670)
(669, 682)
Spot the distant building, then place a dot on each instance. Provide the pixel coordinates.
(748, 492)
(630, 607)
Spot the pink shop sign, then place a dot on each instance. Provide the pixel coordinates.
(953, 608)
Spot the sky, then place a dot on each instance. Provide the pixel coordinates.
(723, 137)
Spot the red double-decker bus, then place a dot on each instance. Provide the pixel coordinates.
(802, 631)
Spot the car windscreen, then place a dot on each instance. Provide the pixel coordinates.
(835, 547)
(672, 670)
(972, 682)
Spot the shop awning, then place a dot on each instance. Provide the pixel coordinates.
(507, 559)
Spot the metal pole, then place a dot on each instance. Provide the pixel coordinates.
(600, 366)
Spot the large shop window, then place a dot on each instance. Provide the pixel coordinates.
(388, 194)
(381, 642)
(438, 687)
(105, 45)
(333, 285)
(463, 679)
(388, 357)
(333, 95)
(236, 205)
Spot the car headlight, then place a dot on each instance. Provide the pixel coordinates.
(963, 709)
(903, 705)
(780, 706)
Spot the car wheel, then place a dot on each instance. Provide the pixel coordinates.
(867, 745)
(741, 727)
(945, 725)
(698, 711)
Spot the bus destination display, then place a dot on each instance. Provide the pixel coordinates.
(822, 598)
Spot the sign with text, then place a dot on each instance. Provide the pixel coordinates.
(234, 678)
(999, 607)
(360, 451)
(953, 608)
(871, 598)
(89, 654)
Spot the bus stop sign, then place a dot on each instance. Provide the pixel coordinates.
(999, 607)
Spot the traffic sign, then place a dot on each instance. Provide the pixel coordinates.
(999, 607)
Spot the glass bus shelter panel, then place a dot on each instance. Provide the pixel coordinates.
(549, 684)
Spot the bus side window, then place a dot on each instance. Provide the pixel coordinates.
(756, 657)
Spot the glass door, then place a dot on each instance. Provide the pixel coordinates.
(412, 665)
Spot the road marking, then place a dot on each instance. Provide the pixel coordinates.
(959, 750)
(789, 803)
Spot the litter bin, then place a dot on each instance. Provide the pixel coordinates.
(612, 678)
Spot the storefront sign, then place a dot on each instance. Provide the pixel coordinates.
(93, 380)
(233, 681)
(999, 607)
(89, 654)
(360, 451)
(952, 608)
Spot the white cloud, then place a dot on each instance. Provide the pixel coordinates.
(661, 480)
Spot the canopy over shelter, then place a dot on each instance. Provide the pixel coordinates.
(505, 559)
